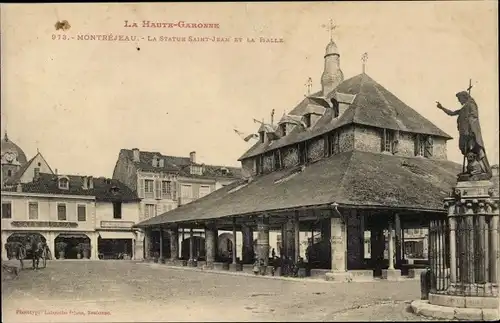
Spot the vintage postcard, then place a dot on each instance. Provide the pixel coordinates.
(258, 161)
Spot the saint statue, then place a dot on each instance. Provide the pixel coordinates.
(470, 141)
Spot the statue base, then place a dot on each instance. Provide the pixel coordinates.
(466, 177)
(474, 188)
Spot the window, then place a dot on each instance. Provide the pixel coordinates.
(166, 189)
(424, 145)
(161, 163)
(155, 161)
(387, 140)
(39, 164)
(302, 152)
(36, 171)
(33, 210)
(82, 213)
(149, 188)
(204, 190)
(63, 183)
(196, 170)
(149, 210)
(283, 129)
(307, 120)
(61, 212)
(334, 145)
(6, 210)
(9, 173)
(277, 160)
(262, 137)
(117, 210)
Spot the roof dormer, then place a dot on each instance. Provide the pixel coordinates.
(63, 182)
(268, 133)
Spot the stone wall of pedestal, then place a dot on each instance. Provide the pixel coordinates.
(338, 244)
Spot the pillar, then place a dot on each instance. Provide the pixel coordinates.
(391, 246)
(161, 243)
(453, 248)
(469, 220)
(338, 244)
(263, 239)
(174, 243)
(94, 251)
(289, 239)
(210, 243)
(493, 249)
(397, 225)
(296, 228)
(248, 252)
(191, 245)
(147, 243)
(234, 241)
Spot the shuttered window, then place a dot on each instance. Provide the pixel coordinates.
(141, 188)
(33, 210)
(82, 213)
(149, 188)
(387, 137)
(6, 210)
(61, 212)
(158, 189)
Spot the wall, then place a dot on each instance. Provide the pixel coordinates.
(47, 211)
(268, 162)
(406, 144)
(104, 212)
(367, 139)
(316, 149)
(163, 204)
(439, 150)
(125, 171)
(29, 173)
(248, 167)
(290, 156)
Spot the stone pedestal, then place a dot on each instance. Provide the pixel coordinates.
(391, 274)
(474, 256)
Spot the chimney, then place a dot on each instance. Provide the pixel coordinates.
(136, 152)
(85, 182)
(91, 182)
(192, 157)
(19, 188)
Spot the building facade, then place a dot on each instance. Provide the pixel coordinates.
(164, 182)
(78, 216)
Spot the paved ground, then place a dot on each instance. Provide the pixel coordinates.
(118, 291)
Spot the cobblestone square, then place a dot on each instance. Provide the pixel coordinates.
(123, 291)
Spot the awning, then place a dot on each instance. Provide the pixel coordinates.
(116, 235)
(73, 235)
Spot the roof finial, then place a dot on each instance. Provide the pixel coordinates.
(470, 86)
(331, 27)
(272, 117)
(364, 58)
(37, 150)
(5, 137)
(309, 86)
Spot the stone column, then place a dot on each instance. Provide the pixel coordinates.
(296, 228)
(453, 248)
(338, 244)
(397, 224)
(493, 248)
(248, 252)
(263, 239)
(289, 239)
(191, 261)
(174, 244)
(391, 273)
(210, 244)
(234, 266)
(94, 251)
(147, 243)
(469, 220)
(161, 244)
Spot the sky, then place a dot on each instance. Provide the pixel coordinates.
(79, 102)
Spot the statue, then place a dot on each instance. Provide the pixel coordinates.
(470, 141)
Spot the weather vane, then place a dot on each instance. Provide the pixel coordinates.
(470, 86)
(364, 58)
(331, 27)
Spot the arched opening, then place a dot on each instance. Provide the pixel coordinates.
(21, 238)
(199, 248)
(72, 246)
(225, 247)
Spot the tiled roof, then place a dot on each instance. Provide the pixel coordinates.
(373, 105)
(352, 178)
(48, 184)
(15, 179)
(179, 165)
